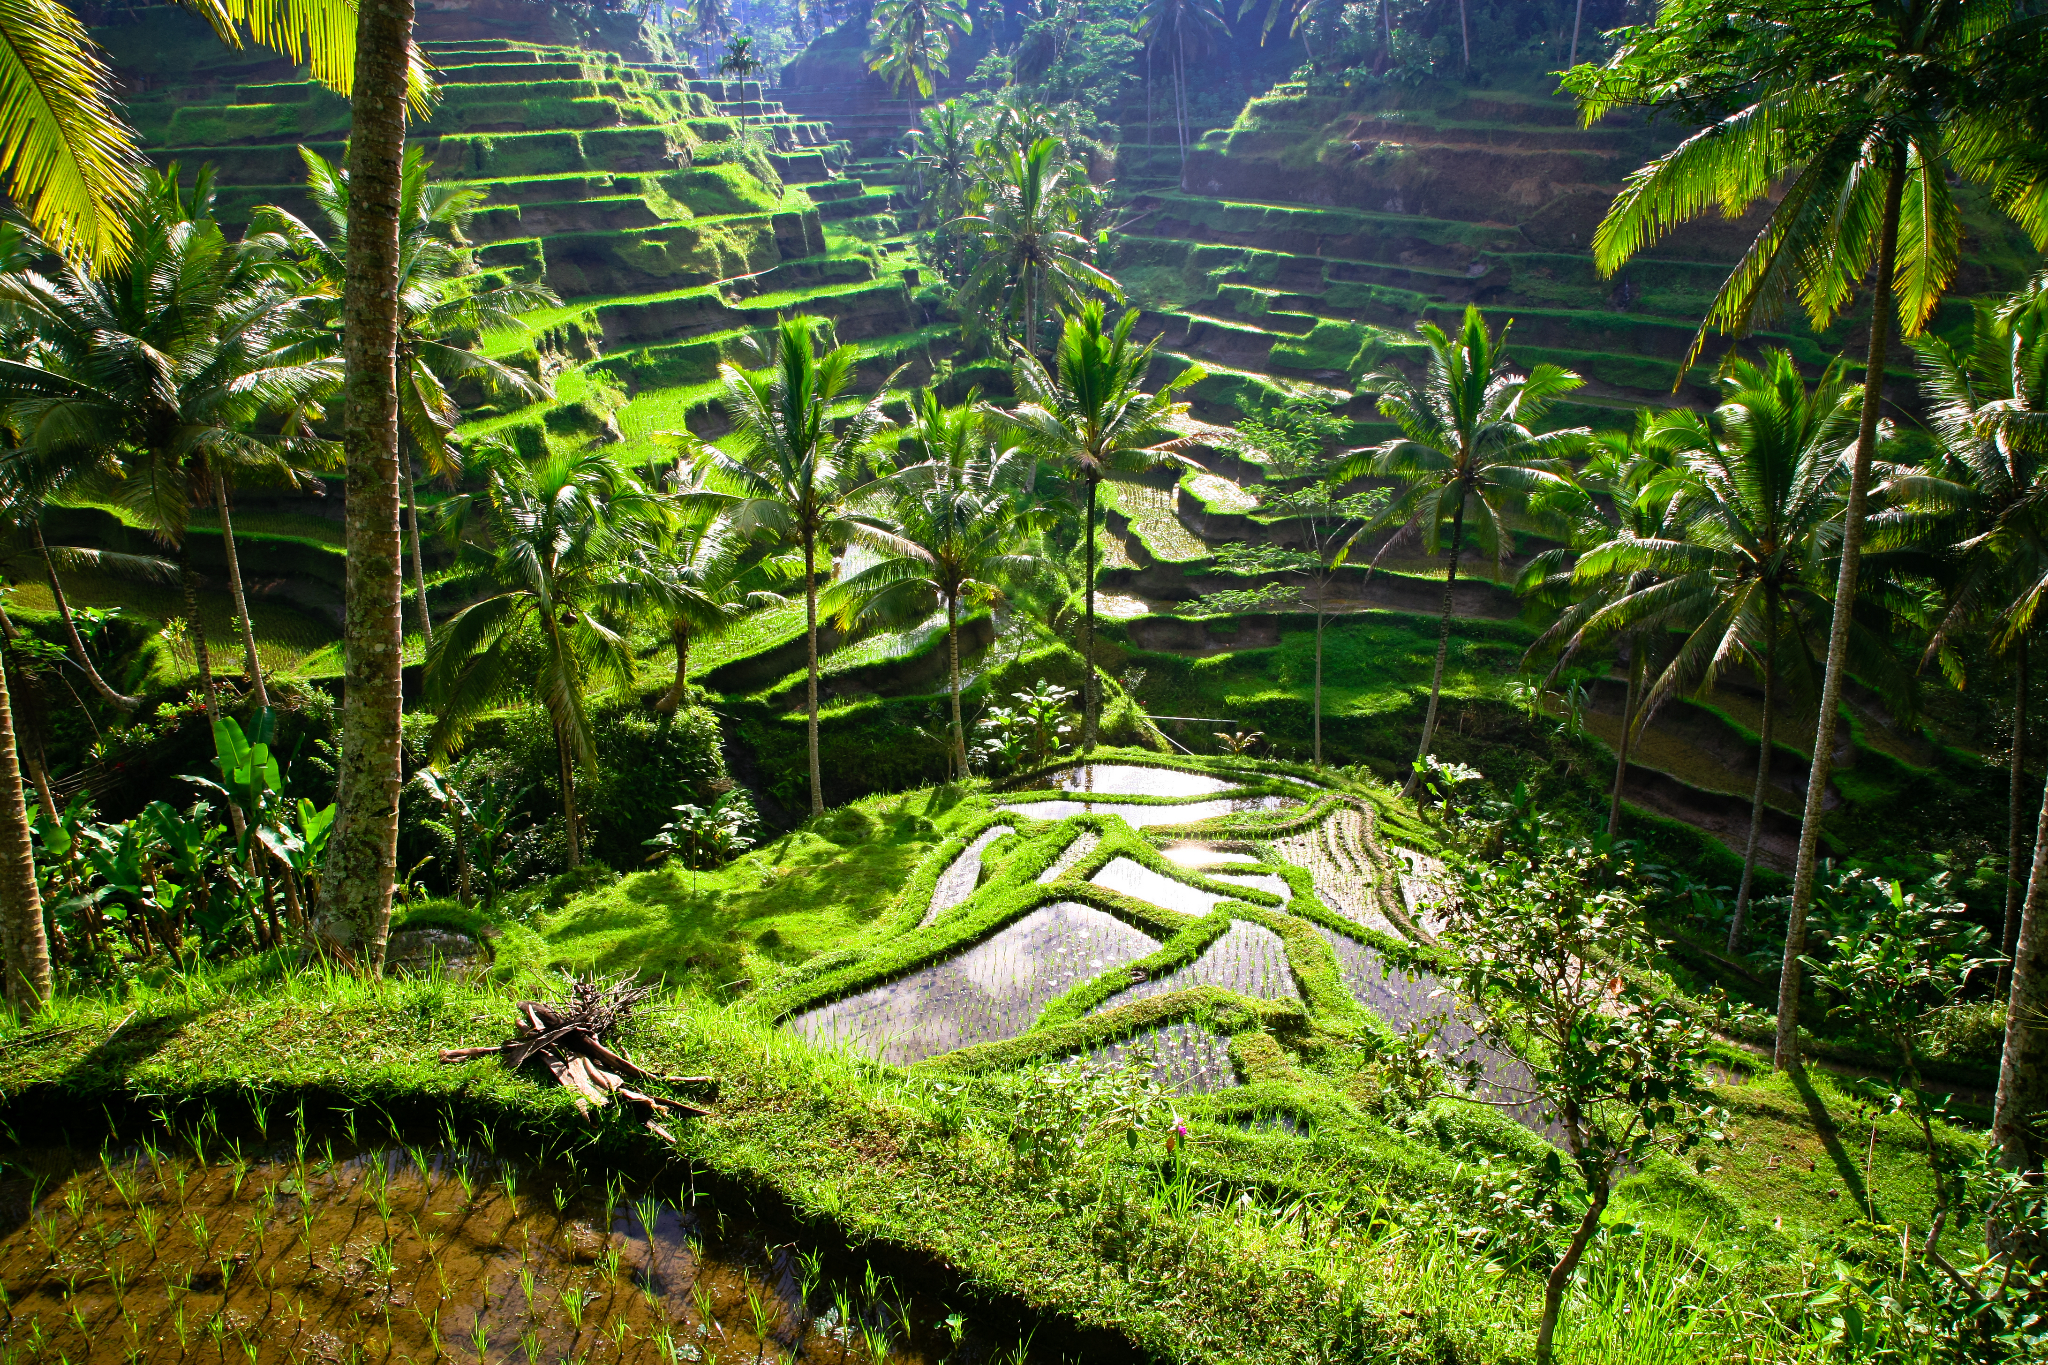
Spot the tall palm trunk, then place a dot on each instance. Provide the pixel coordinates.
(1443, 649)
(1088, 694)
(565, 755)
(227, 537)
(201, 658)
(1578, 14)
(1628, 734)
(1465, 34)
(953, 674)
(1786, 1056)
(2023, 1063)
(419, 567)
(1767, 741)
(2015, 821)
(679, 691)
(27, 948)
(92, 675)
(355, 914)
(811, 669)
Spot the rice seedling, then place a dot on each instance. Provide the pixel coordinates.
(480, 1337)
(509, 1178)
(700, 1295)
(648, 1210)
(148, 1222)
(74, 1200)
(874, 1339)
(619, 1331)
(758, 1310)
(808, 1271)
(529, 1345)
(526, 1282)
(607, 1263)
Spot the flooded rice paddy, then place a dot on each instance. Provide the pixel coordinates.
(1079, 847)
(1137, 880)
(1130, 779)
(196, 1248)
(990, 992)
(1248, 958)
(959, 879)
(1138, 817)
(1333, 854)
(1410, 999)
(1187, 1058)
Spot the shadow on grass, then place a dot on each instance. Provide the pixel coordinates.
(1824, 1128)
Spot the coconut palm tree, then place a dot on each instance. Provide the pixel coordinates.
(912, 41)
(1849, 121)
(147, 387)
(1987, 401)
(701, 576)
(73, 165)
(1183, 31)
(1090, 416)
(1026, 247)
(791, 471)
(545, 570)
(1468, 452)
(952, 538)
(437, 314)
(1621, 492)
(26, 946)
(1738, 566)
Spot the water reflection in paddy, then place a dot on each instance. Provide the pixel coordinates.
(1248, 958)
(1130, 779)
(1187, 1058)
(1405, 999)
(960, 878)
(1139, 816)
(992, 991)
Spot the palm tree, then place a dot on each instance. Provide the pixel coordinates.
(739, 60)
(1737, 566)
(144, 386)
(790, 472)
(435, 311)
(354, 916)
(1987, 401)
(1027, 248)
(913, 39)
(698, 573)
(952, 537)
(1851, 120)
(1185, 30)
(1468, 450)
(26, 948)
(1090, 415)
(1620, 493)
(73, 164)
(546, 578)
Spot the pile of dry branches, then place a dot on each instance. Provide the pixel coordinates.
(568, 1040)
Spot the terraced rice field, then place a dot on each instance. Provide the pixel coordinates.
(1187, 1058)
(1140, 816)
(1079, 847)
(958, 881)
(1249, 959)
(992, 991)
(1132, 779)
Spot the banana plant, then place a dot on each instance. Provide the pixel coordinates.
(302, 844)
(186, 848)
(441, 790)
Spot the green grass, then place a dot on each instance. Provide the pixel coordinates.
(797, 896)
(287, 640)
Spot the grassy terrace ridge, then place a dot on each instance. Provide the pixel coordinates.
(1302, 1238)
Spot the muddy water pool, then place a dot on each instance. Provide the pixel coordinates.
(167, 1249)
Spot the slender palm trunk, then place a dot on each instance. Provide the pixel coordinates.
(1089, 706)
(565, 755)
(355, 914)
(1465, 34)
(1628, 734)
(92, 675)
(811, 669)
(201, 659)
(1561, 1274)
(39, 776)
(1766, 741)
(1578, 15)
(27, 948)
(2015, 849)
(1318, 703)
(2023, 1063)
(419, 566)
(1787, 1052)
(1443, 649)
(679, 692)
(953, 673)
(227, 537)
(458, 819)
